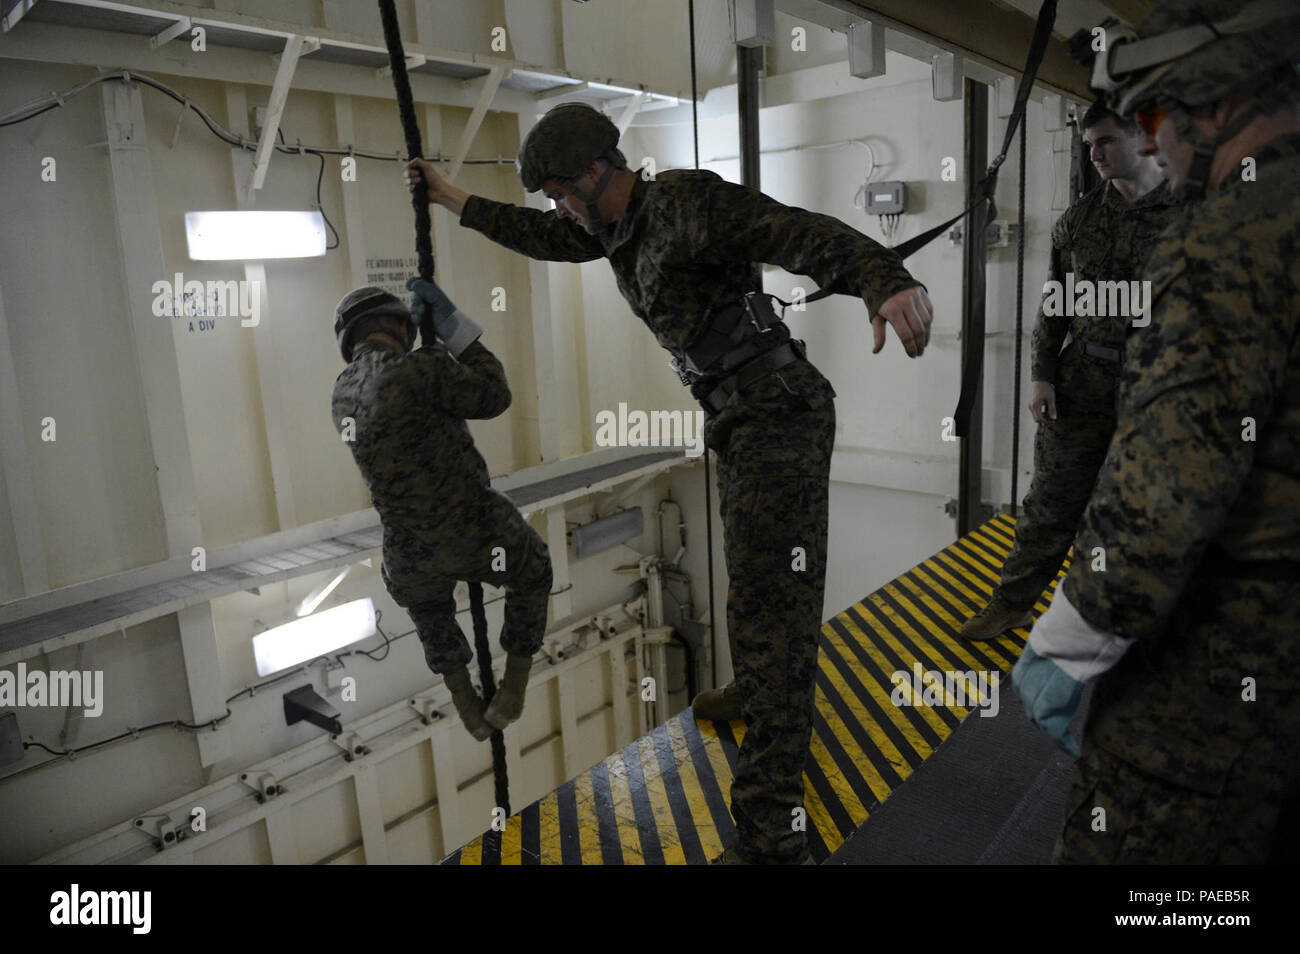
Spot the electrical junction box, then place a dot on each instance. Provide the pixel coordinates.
(886, 198)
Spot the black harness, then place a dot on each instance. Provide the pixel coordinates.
(739, 343)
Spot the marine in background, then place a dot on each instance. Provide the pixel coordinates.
(1105, 236)
(1192, 742)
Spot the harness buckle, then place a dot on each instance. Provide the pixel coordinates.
(684, 368)
(758, 305)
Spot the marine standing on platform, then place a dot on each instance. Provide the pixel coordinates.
(403, 414)
(1192, 744)
(1105, 236)
(686, 250)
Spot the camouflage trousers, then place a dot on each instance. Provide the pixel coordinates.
(1192, 747)
(422, 564)
(773, 481)
(1068, 453)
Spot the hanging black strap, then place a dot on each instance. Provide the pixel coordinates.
(982, 211)
(424, 255)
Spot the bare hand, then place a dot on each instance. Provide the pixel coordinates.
(439, 189)
(911, 314)
(1042, 402)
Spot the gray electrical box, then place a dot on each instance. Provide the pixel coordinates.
(886, 198)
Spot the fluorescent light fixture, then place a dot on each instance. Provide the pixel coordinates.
(254, 235)
(318, 595)
(305, 639)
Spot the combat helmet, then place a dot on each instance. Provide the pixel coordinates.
(1193, 53)
(360, 303)
(565, 141)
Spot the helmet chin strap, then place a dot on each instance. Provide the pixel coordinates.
(593, 196)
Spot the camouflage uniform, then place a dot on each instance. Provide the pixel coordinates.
(688, 244)
(441, 518)
(1101, 237)
(1201, 530)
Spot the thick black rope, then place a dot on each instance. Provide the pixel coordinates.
(411, 129)
(424, 254)
(1020, 322)
(484, 655)
(708, 470)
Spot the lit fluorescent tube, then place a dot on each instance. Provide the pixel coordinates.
(253, 235)
(317, 635)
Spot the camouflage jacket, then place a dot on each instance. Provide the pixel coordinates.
(1186, 468)
(1101, 237)
(410, 439)
(691, 243)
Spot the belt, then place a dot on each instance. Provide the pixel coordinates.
(1096, 351)
(747, 374)
(1217, 562)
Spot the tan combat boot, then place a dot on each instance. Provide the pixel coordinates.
(468, 704)
(508, 703)
(718, 705)
(994, 620)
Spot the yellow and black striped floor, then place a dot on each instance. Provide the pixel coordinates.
(664, 799)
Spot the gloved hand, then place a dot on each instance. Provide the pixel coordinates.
(1049, 695)
(436, 314)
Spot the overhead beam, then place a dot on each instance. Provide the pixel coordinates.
(171, 33)
(982, 31)
(17, 13)
(275, 110)
(629, 111)
(487, 92)
(52, 43)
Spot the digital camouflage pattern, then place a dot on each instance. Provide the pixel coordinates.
(1208, 74)
(431, 488)
(691, 243)
(1181, 476)
(1101, 237)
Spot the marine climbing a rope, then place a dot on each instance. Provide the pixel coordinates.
(403, 415)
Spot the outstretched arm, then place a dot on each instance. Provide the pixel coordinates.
(745, 225)
(531, 232)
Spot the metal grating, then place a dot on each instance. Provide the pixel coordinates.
(148, 602)
(97, 18)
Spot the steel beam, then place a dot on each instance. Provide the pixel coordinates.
(20, 490)
(171, 33)
(749, 63)
(629, 111)
(16, 13)
(486, 94)
(275, 110)
(971, 452)
(139, 239)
